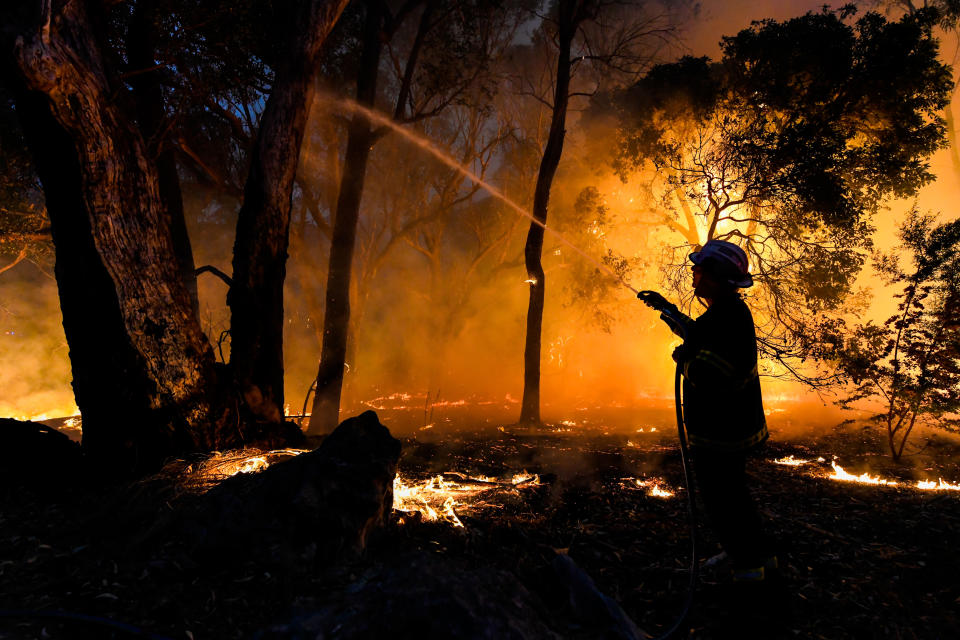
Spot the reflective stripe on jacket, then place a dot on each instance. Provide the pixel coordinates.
(723, 407)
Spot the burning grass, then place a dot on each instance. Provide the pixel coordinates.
(440, 497)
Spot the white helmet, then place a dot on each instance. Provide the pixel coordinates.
(725, 260)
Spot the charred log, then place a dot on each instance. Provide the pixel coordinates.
(36, 454)
(313, 508)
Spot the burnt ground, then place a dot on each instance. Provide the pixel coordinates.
(861, 561)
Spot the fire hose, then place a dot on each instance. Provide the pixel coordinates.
(676, 321)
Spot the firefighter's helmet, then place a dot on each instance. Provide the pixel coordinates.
(726, 261)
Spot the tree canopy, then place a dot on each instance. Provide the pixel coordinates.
(789, 145)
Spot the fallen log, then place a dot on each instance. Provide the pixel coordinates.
(309, 509)
(36, 454)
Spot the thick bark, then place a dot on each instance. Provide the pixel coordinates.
(148, 98)
(168, 358)
(530, 407)
(260, 251)
(108, 381)
(336, 321)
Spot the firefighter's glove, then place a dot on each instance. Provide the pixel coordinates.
(682, 353)
(655, 301)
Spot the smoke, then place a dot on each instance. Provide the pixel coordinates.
(35, 372)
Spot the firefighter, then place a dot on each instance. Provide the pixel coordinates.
(722, 403)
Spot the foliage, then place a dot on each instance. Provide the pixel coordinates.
(789, 145)
(24, 227)
(912, 361)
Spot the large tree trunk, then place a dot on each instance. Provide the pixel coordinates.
(260, 251)
(148, 98)
(530, 407)
(168, 358)
(336, 321)
(109, 384)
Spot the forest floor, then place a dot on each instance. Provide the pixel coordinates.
(859, 561)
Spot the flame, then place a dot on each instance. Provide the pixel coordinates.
(655, 486)
(930, 485)
(863, 478)
(839, 473)
(531, 281)
(221, 466)
(438, 497)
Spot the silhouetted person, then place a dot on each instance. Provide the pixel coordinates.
(723, 408)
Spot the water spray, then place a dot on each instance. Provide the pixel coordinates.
(451, 162)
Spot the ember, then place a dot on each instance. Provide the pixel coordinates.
(655, 487)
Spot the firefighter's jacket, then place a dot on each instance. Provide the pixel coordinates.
(722, 405)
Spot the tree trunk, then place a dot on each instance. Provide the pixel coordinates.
(260, 251)
(169, 360)
(530, 407)
(336, 321)
(109, 384)
(148, 97)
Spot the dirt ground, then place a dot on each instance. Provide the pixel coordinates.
(859, 561)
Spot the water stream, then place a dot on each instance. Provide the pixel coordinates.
(439, 154)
